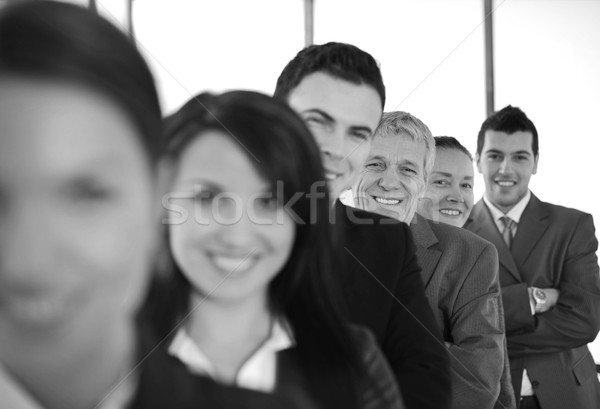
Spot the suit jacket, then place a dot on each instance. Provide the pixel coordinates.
(381, 282)
(554, 247)
(460, 272)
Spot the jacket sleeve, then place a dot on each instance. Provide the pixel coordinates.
(477, 328)
(413, 342)
(575, 319)
(379, 387)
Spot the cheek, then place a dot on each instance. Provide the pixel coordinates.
(116, 258)
(365, 180)
(357, 154)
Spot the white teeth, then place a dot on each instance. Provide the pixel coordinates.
(233, 264)
(331, 176)
(449, 212)
(506, 183)
(387, 201)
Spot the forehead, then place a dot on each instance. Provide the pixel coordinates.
(54, 127)
(454, 162)
(356, 104)
(504, 142)
(398, 148)
(216, 157)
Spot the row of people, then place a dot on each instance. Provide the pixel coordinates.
(545, 256)
(266, 290)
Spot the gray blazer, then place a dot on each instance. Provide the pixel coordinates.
(460, 273)
(555, 247)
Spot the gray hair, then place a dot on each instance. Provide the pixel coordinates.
(398, 122)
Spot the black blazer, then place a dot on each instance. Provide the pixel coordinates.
(382, 285)
(165, 382)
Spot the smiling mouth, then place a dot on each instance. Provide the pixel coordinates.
(506, 183)
(233, 265)
(35, 309)
(388, 202)
(331, 176)
(450, 212)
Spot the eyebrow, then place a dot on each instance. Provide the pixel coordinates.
(449, 175)
(320, 112)
(521, 152)
(329, 118)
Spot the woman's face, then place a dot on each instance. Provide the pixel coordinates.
(77, 212)
(228, 234)
(449, 195)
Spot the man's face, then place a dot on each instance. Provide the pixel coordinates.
(342, 117)
(393, 177)
(507, 163)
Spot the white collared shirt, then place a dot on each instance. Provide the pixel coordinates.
(257, 373)
(515, 214)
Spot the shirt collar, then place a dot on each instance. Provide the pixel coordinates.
(258, 372)
(515, 213)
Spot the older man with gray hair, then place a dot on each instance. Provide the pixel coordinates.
(460, 270)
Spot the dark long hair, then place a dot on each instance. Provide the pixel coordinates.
(63, 42)
(283, 150)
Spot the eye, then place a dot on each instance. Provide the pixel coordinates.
(467, 186)
(494, 157)
(268, 201)
(374, 166)
(409, 170)
(440, 182)
(205, 196)
(87, 191)
(360, 135)
(521, 158)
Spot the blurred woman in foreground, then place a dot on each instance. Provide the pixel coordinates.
(80, 139)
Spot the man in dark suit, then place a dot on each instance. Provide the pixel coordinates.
(548, 270)
(338, 90)
(459, 269)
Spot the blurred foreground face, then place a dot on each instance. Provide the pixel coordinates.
(449, 195)
(393, 178)
(342, 117)
(229, 237)
(77, 216)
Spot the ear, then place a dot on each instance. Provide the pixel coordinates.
(535, 163)
(478, 161)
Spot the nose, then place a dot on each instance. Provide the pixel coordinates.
(505, 166)
(239, 232)
(455, 195)
(333, 144)
(389, 180)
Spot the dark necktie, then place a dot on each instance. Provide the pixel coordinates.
(507, 232)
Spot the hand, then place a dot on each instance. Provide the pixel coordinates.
(552, 295)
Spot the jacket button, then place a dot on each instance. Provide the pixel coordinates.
(535, 384)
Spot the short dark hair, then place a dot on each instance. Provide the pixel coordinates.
(450, 142)
(340, 60)
(509, 120)
(64, 42)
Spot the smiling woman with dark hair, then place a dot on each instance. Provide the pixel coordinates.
(253, 258)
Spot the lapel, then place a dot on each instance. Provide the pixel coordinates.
(532, 226)
(428, 253)
(481, 223)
